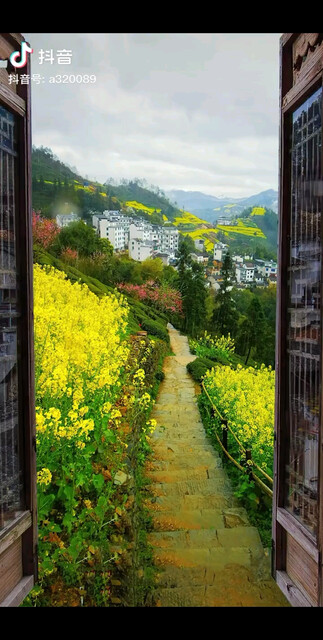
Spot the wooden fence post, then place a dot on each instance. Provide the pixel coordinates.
(224, 424)
(249, 466)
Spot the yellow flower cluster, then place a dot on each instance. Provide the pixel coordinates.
(44, 476)
(222, 343)
(73, 425)
(144, 400)
(151, 425)
(139, 377)
(246, 396)
(78, 336)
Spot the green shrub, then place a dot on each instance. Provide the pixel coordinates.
(154, 328)
(219, 348)
(199, 367)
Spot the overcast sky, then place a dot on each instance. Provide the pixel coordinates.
(185, 111)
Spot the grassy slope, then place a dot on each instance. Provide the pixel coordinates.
(141, 316)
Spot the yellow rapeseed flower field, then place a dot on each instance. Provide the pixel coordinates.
(78, 336)
(246, 396)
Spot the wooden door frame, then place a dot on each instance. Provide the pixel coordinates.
(26, 524)
(290, 98)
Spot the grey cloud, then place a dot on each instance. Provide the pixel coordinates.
(190, 111)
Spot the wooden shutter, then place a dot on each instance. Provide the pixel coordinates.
(298, 487)
(18, 518)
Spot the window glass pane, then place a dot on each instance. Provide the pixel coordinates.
(304, 308)
(10, 468)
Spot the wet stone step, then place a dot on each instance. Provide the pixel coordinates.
(198, 519)
(192, 502)
(186, 463)
(208, 538)
(182, 474)
(175, 447)
(212, 487)
(216, 558)
(244, 594)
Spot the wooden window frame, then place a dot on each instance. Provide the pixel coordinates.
(283, 522)
(25, 525)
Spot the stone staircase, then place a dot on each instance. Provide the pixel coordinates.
(208, 553)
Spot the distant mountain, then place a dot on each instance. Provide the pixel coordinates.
(267, 199)
(211, 208)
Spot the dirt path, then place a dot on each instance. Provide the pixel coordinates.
(209, 553)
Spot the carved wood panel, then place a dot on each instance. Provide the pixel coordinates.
(307, 49)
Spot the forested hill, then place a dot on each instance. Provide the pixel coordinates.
(58, 188)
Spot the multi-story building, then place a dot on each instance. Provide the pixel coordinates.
(267, 267)
(140, 249)
(114, 232)
(112, 216)
(121, 230)
(219, 251)
(245, 272)
(169, 239)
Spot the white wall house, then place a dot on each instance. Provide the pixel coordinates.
(219, 251)
(115, 232)
(245, 273)
(199, 244)
(139, 249)
(268, 269)
(169, 240)
(121, 230)
(63, 220)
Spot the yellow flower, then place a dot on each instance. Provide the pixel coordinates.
(44, 476)
(115, 413)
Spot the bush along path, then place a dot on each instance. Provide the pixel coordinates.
(206, 552)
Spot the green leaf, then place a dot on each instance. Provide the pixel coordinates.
(75, 547)
(80, 479)
(68, 491)
(68, 521)
(101, 507)
(47, 564)
(110, 435)
(45, 503)
(98, 481)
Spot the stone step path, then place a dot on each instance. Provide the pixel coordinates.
(208, 554)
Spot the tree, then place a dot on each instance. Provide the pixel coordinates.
(228, 272)
(105, 246)
(170, 276)
(253, 328)
(194, 299)
(78, 236)
(225, 316)
(188, 242)
(184, 259)
(192, 287)
(152, 269)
